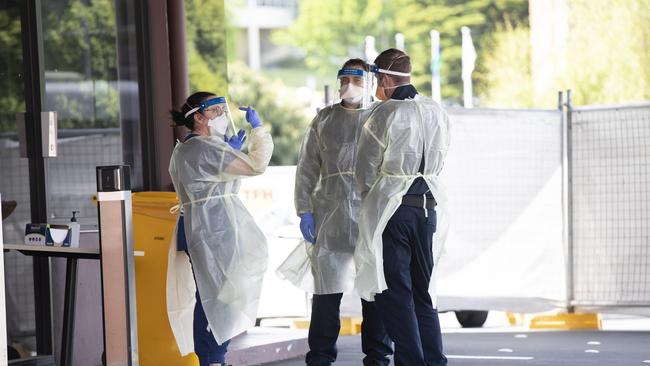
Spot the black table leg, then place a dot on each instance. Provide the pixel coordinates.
(68, 311)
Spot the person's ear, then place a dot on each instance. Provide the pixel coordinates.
(379, 81)
(198, 117)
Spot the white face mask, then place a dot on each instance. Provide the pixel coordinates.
(218, 125)
(351, 93)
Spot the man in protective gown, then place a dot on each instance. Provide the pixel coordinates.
(328, 203)
(401, 152)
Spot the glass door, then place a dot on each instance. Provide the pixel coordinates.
(81, 85)
(14, 181)
(74, 69)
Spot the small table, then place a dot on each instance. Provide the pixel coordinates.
(72, 255)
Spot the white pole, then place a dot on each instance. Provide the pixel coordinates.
(399, 41)
(370, 51)
(469, 58)
(253, 30)
(435, 66)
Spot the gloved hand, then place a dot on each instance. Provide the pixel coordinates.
(307, 227)
(236, 141)
(251, 116)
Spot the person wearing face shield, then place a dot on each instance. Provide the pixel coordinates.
(227, 252)
(401, 152)
(328, 203)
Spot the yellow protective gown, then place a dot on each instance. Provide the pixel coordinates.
(390, 150)
(228, 250)
(325, 186)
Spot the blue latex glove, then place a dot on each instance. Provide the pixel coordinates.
(251, 116)
(236, 141)
(307, 227)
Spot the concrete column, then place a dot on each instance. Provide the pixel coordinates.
(179, 71)
(159, 78)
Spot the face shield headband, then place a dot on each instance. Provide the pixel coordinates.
(351, 72)
(377, 70)
(205, 104)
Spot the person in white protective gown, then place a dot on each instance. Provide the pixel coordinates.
(227, 250)
(401, 152)
(328, 203)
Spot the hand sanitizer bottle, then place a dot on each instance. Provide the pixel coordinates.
(75, 227)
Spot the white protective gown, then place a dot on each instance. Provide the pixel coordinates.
(228, 250)
(390, 150)
(326, 187)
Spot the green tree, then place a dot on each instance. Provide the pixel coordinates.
(207, 50)
(608, 58)
(507, 76)
(287, 121)
(416, 18)
(79, 48)
(205, 28)
(11, 81)
(331, 31)
(605, 59)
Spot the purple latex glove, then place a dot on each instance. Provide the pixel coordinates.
(308, 227)
(251, 116)
(236, 141)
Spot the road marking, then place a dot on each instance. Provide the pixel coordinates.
(505, 350)
(593, 343)
(521, 336)
(592, 351)
(491, 357)
(645, 361)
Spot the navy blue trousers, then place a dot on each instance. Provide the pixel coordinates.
(205, 346)
(326, 324)
(405, 307)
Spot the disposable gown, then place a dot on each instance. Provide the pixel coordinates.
(397, 135)
(228, 251)
(325, 186)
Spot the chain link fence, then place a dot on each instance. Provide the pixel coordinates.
(610, 199)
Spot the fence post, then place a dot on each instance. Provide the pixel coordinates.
(569, 204)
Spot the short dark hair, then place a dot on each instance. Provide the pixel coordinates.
(395, 60)
(355, 62)
(193, 101)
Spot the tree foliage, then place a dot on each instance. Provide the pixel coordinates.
(205, 28)
(287, 121)
(604, 60)
(508, 78)
(79, 56)
(11, 70)
(330, 31)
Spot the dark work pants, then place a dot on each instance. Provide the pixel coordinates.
(205, 346)
(326, 324)
(405, 307)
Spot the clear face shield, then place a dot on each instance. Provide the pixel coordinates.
(379, 90)
(355, 88)
(217, 111)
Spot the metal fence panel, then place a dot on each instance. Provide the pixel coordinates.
(611, 205)
(505, 247)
